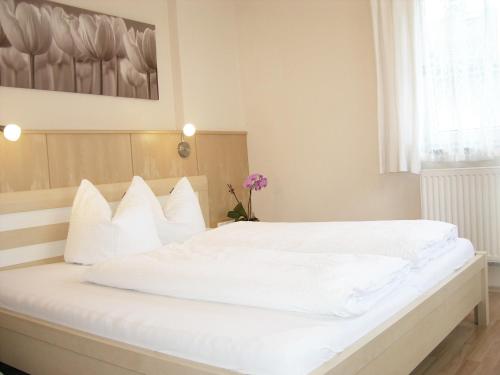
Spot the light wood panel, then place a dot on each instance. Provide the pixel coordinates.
(100, 158)
(40, 347)
(23, 164)
(35, 263)
(155, 156)
(45, 239)
(224, 160)
(58, 158)
(406, 338)
(23, 201)
(98, 131)
(32, 236)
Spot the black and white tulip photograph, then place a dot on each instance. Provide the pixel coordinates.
(49, 46)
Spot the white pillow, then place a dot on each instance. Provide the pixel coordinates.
(96, 235)
(181, 217)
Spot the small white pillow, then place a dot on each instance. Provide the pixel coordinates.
(96, 235)
(181, 217)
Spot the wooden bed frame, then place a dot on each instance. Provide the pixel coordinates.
(395, 347)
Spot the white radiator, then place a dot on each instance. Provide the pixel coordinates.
(469, 198)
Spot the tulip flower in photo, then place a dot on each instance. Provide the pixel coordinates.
(15, 62)
(84, 72)
(95, 39)
(61, 32)
(4, 41)
(141, 51)
(28, 30)
(132, 77)
(120, 30)
(55, 40)
(55, 58)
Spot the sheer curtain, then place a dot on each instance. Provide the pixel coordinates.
(438, 73)
(461, 79)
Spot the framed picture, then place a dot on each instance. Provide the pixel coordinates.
(50, 46)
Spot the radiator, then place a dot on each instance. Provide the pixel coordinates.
(469, 198)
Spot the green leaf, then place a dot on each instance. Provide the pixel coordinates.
(238, 213)
(233, 215)
(241, 210)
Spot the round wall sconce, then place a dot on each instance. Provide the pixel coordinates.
(11, 132)
(184, 148)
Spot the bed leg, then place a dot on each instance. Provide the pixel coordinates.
(482, 310)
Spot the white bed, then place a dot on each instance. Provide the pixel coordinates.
(51, 323)
(242, 339)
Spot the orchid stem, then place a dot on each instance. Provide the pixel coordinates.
(231, 190)
(249, 213)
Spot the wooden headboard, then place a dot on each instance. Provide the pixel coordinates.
(49, 159)
(34, 224)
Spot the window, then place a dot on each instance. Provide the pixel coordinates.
(458, 51)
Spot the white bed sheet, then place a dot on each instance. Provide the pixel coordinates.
(244, 339)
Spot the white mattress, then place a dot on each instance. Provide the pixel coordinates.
(247, 340)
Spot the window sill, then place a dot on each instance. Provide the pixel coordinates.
(460, 164)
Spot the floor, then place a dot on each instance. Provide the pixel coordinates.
(469, 349)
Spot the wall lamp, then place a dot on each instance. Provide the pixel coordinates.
(184, 148)
(11, 132)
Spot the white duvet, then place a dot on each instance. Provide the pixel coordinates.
(344, 285)
(415, 240)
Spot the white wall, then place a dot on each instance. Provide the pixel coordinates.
(308, 79)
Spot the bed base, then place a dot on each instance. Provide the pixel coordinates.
(396, 347)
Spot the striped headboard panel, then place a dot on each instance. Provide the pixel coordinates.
(34, 224)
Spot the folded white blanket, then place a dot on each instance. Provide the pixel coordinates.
(318, 283)
(415, 240)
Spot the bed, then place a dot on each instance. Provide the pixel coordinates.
(45, 329)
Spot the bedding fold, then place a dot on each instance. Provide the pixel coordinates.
(327, 284)
(415, 240)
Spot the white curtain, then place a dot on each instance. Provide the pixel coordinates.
(396, 45)
(461, 78)
(438, 74)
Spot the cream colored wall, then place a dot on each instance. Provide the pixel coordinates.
(34, 109)
(198, 75)
(208, 46)
(308, 79)
(299, 75)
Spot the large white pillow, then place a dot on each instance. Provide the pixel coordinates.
(96, 235)
(181, 216)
